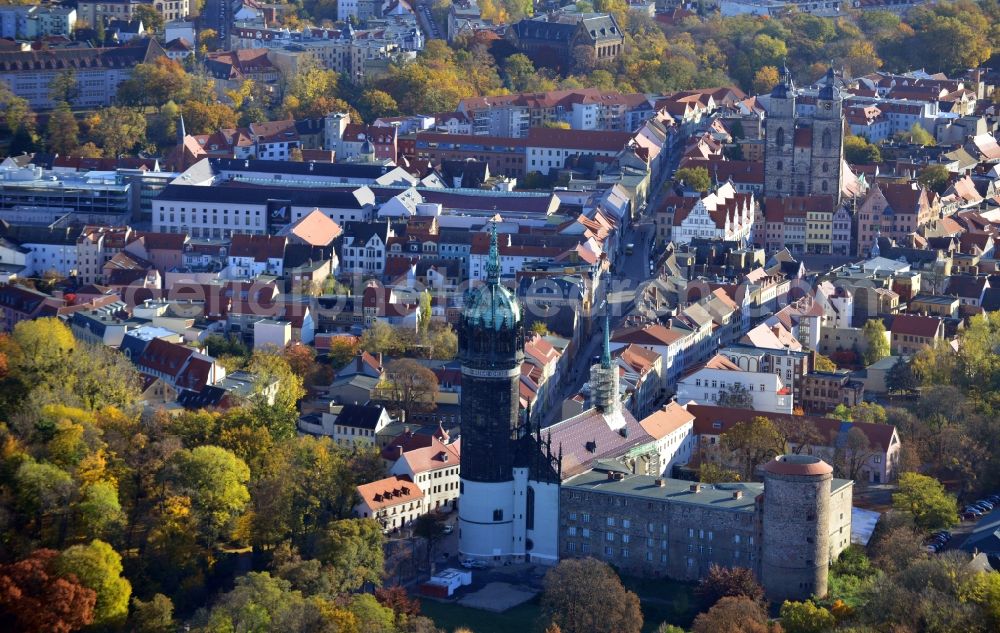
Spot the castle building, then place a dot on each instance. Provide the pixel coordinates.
(786, 529)
(804, 155)
(590, 485)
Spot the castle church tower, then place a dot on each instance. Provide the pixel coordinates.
(491, 350)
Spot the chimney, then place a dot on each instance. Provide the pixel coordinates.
(659, 483)
(737, 494)
(695, 488)
(611, 476)
(398, 451)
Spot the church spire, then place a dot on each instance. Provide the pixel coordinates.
(606, 353)
(493, 263)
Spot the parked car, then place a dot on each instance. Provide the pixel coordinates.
(969, 516)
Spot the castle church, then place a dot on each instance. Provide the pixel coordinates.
(804, 155)
(510, 472)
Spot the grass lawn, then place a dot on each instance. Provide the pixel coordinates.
(662, 601)
(449, 616)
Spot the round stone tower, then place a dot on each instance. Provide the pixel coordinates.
(795, 550)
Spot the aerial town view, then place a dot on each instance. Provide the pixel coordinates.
(500, 316)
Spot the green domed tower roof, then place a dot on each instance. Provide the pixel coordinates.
(492, 305)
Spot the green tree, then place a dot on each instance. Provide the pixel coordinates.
(62, 131)
(917, 135)
(877, 344)
(64, 87)
(518, 72)
(925, 499)
(373, 617)
(155, 83)
(568, 599)
(155, 615)
(261, 603)
(152, 20)
(376, 103)
(42, 489)
(858, 151)
(823, 363)
(100, 512)
(695, 178)
(353, 548)
(277, 391)
(430, 528)
(709, 473)
(806, 617)
(215, 481)
(99, 567)
(935, 178)
(901, 378)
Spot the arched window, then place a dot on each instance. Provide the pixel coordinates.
(781, 165)
(779, 138)
(529, 512)
(826, 167)
(824, 186)
(778, 184)
(827, 140)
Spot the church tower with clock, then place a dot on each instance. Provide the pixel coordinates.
(491, 350)
(804, 140)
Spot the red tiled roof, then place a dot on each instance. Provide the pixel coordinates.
(388, 492)
(915, 325)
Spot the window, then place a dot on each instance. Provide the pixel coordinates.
(498, 515)
(625, 538)
(571, 531)
(529, 520)
(586, 518)
(626, 523)
(611, 521)
(779, 137)
(609, 551)
(609, 536)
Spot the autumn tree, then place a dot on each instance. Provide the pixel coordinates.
(695, 178)
(823, 363)
(765, 79)
(353, 548)
(709, 473)
(917, 135)
(201, 117)
(62, 131)
(901, 377)
(36, 598)
(99, 567)
(155, 615)
(276, 393)
(734, 615)
(151, 19)
(876, 341)
(117, 129)
(215, 482)
(935, 178)
(858, 151)
(806, 617)
(568, 599)
(925, 499)
(753, 443)
(64, 87)
(155, 83)
(408, 387)
(721, 582)
(377, 103)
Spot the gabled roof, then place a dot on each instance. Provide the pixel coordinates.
(259, 247)
(668, 419)
(711, 420)
(915, 325)
(434, 456)
(314, 228)
(389, 492)
(653, 334)
(360, 416)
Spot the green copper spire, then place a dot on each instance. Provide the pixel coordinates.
(493, 264)
(606, 354)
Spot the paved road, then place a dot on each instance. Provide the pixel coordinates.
(217, 15)
(617, 296)
(427, 24)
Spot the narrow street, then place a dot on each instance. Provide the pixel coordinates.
(618, 293)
